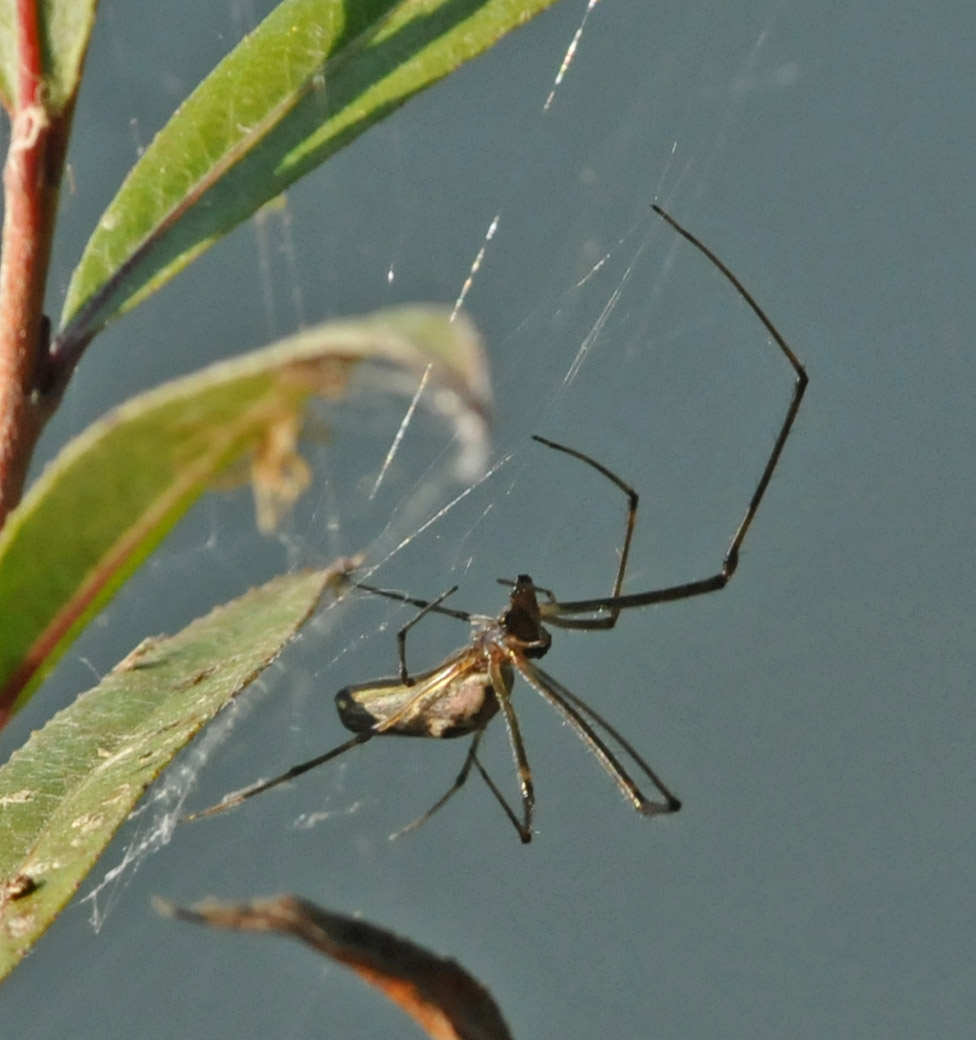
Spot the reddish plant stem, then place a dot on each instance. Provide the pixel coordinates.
(30, 182)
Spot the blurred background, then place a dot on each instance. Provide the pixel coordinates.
(816, 718)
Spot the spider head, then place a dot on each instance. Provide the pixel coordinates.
(522, 621)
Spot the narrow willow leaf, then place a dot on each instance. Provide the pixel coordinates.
(114, 492)
(68, 790)
(312, 77)
(435, 991)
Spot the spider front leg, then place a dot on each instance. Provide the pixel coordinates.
(563, 615)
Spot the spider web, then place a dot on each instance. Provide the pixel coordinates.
(598, 324)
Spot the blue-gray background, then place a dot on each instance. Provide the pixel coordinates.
(816, 717)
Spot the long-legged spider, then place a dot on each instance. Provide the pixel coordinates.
(466, 690)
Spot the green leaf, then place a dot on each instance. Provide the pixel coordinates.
(68, 790)
(313, 76)
(65, 27)
(113, 492)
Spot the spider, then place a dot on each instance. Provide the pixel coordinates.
(471, 686)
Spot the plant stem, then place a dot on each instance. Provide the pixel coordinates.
(31, 178)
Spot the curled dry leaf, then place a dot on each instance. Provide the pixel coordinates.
(436, 991)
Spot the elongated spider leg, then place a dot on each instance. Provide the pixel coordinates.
(235, 798)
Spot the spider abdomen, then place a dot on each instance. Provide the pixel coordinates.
(449, 702)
